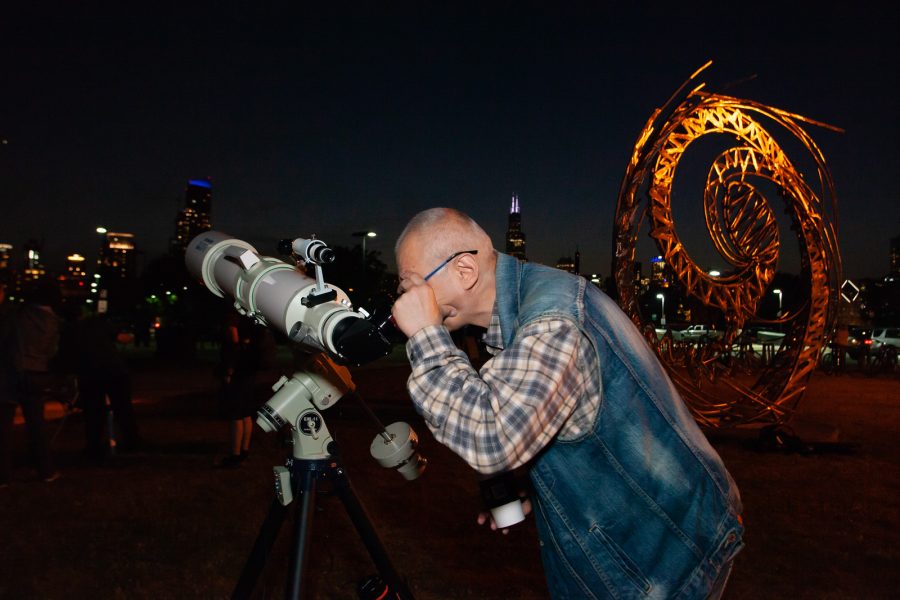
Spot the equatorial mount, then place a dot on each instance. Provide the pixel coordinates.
(296, 404)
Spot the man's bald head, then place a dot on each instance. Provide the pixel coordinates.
(439, 232)
(462, 290)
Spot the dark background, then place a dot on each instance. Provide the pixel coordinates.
(331, 121)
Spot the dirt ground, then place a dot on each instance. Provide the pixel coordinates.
(166, 523)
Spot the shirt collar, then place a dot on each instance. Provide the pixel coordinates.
(493, 337)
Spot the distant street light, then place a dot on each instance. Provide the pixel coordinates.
(779, 300)
(662, 320)
(364, 235)
(101, 230)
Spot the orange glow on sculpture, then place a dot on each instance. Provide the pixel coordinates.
(741, 221)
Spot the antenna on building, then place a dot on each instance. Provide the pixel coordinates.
(515, 237)
(514, 209)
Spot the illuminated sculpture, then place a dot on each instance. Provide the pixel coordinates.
(722, 379)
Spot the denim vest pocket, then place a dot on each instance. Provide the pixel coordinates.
(614, 562)
(731, 544)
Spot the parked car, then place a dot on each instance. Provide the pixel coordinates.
(885, 336)
(859, 341)
(696, 333)
(758, 333)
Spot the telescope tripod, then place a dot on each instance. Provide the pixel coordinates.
(296, 404)
(301, 477)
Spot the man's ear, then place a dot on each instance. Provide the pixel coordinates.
(467, 271)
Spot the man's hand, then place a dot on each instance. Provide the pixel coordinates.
(416, 308)
(484, 517)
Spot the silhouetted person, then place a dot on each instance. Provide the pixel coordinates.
(8, 402)
(840, 345)
(143, 321)
(30, 339)
(246, 349)
(89, 350)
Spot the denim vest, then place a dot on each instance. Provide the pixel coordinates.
(641, 506)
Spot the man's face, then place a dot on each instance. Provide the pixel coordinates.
(449, 292)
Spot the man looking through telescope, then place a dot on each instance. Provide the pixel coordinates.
(630, 498)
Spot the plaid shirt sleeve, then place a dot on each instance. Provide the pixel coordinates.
(498, 419)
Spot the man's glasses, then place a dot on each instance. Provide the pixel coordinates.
(446, 262)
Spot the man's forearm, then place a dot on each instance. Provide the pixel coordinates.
(497, 419)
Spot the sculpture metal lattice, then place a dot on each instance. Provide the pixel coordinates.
(723, 380)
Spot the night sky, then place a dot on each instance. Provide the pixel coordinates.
(326, 124)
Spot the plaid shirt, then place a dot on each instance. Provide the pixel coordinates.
(546, 383)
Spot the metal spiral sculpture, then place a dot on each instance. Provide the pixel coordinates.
(723, 380)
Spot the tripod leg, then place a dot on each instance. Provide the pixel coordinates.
(307, 491)
(268, 533)
(367, 533)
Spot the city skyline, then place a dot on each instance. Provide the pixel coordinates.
(18, 257)
(329, 123)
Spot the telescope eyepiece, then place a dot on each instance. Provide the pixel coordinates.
(326, 255)
(312, 251)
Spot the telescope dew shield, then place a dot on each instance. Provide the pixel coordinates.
(202, 260)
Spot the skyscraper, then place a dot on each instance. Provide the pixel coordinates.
(7, 274)
(193, 219)
(34, 269)
(116, 260)
(73, 282)
(117, 271)
(658, 272)
(515, 237)
(566, 263)
(5, 253)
